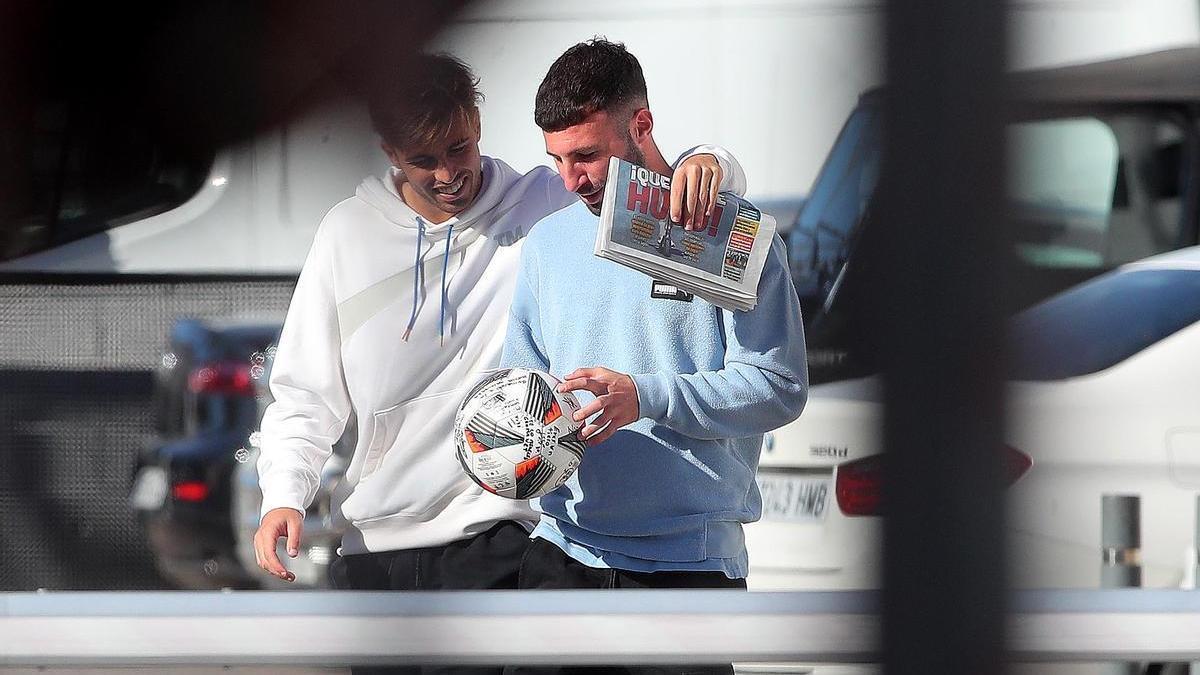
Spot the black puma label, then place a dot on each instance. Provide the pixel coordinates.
(664, 291)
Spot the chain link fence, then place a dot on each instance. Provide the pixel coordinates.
(77, 357)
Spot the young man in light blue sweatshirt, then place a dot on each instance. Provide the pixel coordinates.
(683, 390)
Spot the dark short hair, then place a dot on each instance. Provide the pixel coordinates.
(417, 101)
(591, 76)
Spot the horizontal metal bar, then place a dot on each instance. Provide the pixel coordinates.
(552, 627)
(442, 603)
(1104, 637)
(497, 627)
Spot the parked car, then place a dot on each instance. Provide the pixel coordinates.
(206, 409)
(1103, 171)
(1103, 398)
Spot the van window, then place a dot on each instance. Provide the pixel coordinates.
(1093, 194)
(1061, 175)
(80, 169)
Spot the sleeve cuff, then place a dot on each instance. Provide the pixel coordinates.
(652, 395)
(276, 499)
(733, 177)
(267, 508)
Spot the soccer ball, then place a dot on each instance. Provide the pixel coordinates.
(515, 436)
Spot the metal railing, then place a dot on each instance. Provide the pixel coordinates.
(554, 627)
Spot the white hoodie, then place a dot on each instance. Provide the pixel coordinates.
(342, 353)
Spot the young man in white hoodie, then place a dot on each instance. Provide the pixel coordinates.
(401, 304)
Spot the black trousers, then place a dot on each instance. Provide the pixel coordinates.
(546, 566)
(490, 560)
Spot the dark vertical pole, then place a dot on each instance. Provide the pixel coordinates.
(933, 256)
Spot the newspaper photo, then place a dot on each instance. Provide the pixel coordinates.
(721, 262)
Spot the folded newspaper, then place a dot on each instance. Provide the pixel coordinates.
(721, 263)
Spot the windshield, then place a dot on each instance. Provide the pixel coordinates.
(820, 241)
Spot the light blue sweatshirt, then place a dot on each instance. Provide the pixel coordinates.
(671, 490)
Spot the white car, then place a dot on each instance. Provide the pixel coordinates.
(1107, 401)
(1104, 399)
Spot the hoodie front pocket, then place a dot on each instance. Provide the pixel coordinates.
(382, 438)
(409, 468)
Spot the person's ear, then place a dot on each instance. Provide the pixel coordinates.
(641, 125)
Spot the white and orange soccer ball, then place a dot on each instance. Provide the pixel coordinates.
(514, 434)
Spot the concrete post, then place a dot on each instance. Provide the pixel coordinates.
(1121, 541)
(1194, 666)
(1121, 551)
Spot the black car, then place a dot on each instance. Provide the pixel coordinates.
(206, 408)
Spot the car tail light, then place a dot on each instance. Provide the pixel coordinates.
(190, 491)
(859, 486)
(222, 378)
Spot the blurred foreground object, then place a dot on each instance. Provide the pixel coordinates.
(107, 122)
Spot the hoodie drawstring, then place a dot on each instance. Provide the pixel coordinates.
(412, 318)
(445, 265)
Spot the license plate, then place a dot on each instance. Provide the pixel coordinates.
(794, 497)
(149, 489)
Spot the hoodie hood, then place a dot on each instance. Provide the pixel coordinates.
(381, 193)
(450, 236)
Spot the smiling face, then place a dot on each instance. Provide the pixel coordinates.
(442, 178)
(581, 153)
